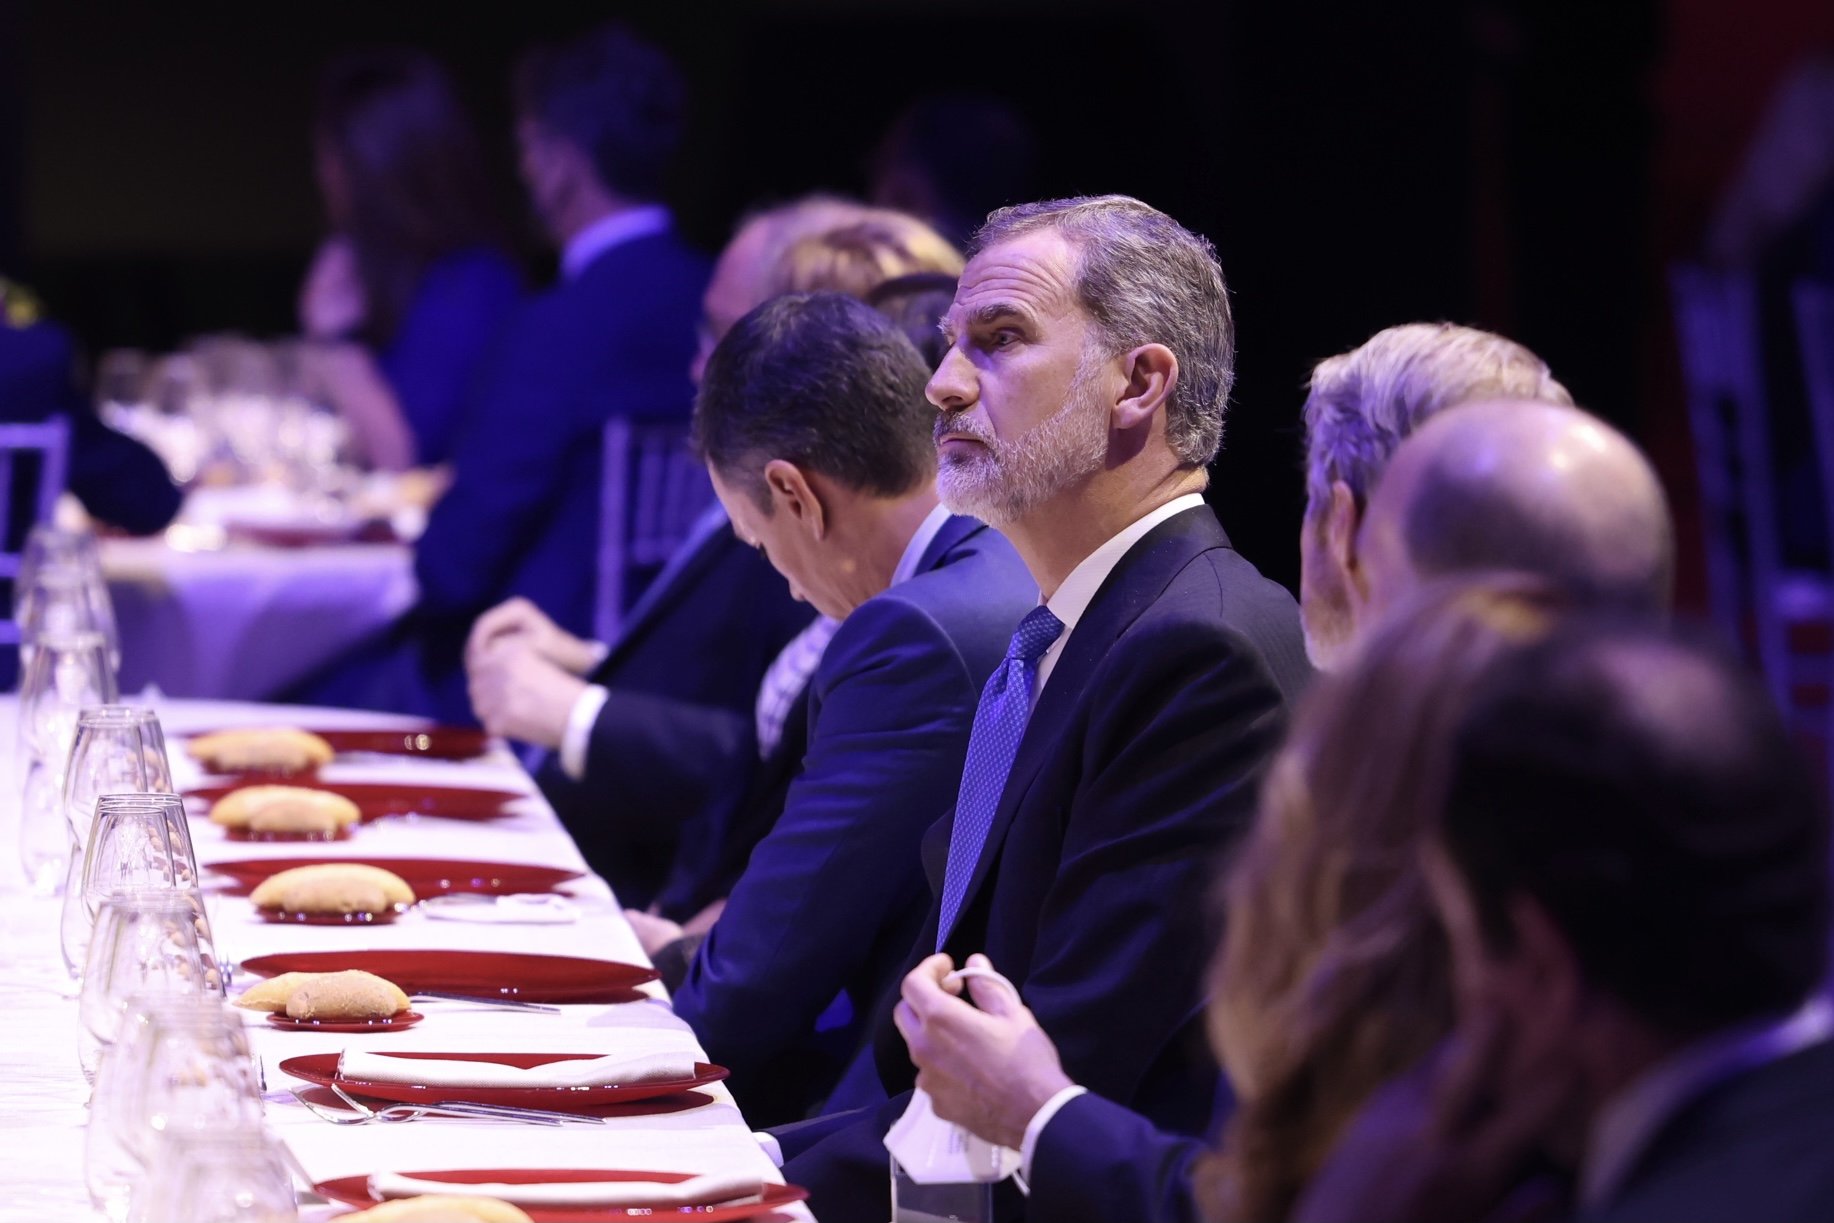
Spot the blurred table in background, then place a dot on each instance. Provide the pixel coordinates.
(250, 592)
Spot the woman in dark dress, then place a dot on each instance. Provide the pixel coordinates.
(405, 294)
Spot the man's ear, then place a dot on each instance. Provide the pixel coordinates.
(1151, 372)
(792, 494)
(1544, 957)
(1342, 520)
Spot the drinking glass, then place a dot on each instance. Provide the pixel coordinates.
(67, 673)
(145, 942)
(180, 1064)
(139, 843)
(66, 597)
(215, 1174)
(117, 749)
(46, 547)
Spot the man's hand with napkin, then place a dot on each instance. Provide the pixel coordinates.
(988, 1070)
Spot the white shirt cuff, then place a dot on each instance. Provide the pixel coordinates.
(772, 1150)
(1033, 1128)
(577, 738)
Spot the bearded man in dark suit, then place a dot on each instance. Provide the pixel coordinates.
(1118, 749)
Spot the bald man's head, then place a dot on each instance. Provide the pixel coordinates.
(1541, 488)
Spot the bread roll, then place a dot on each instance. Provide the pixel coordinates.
(284, 809)
(351, 994)
(440, 1208)
(268, 749)
(333, 887)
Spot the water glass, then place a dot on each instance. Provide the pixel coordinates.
(181, 1064)
(117, 749)
(215, 1175)
(49, 547)
(145, 942)
(67, 673)
(66, 598)
(139, 842)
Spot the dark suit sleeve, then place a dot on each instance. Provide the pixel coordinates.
(515, 441)
(118, 480)
(1099, 1162)
(653, 759)
(838, 874)
(1173, 757)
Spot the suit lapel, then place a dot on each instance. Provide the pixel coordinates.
(1130, 588)
(956, 530)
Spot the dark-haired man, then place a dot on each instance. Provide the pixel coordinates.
(813, 422)
(1631, 865)
(598, 125)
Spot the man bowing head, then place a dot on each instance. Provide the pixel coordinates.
(1116, 750)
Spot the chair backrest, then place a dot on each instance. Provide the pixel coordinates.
(654, 489)
(1815, 334)
(1716, 326)
(48, 445)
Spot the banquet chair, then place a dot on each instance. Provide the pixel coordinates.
(1779, 614)
(27, 497)
(654, 489)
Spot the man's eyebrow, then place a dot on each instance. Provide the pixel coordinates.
(995, 312)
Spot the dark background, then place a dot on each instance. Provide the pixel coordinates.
(1524, 166)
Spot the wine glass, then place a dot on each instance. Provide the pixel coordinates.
(179, 1062)
(49, 546)
(67, 673)
(139, 842)
(64, 598)
(215, 1174)
(146, 941)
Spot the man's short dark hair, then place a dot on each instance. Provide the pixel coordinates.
(825, 382)
(618, 98)
(1646, 794)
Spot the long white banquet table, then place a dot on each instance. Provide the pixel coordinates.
(41, 1138)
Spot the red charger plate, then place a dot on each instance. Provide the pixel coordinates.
(378, 800)
(427, 876)
(322, 1068)
(428, 743)
(391, 1023)
(354, 1191)
(248, 834)
(291, 917)
(480, 974)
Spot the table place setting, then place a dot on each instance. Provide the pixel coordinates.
(441, 983)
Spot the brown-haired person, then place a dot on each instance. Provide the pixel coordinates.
(1630, 861)
(407, 293)
(1554, 486)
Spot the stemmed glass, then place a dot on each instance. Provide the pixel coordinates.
(180, 1064)
(215, 1175)
(60, 588)
(146, 941)
(68, 672)
(117, 749)
(141, 842)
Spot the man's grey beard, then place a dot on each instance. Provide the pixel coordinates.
(1006, 480)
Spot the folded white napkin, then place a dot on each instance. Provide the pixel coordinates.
(696, 1191)
(575, 1072)
(518, 909)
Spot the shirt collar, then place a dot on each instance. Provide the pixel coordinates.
(625, 225)
(1077, 591)
(1631, 1119)
(920, 543)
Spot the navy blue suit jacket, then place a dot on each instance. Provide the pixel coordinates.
(683, 676)
(1752, 1147)
(118, 480)
(1139, 766)
(522, 515)
(1096, 1162)
(834, 894)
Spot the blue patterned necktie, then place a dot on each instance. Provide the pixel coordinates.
(999, 724)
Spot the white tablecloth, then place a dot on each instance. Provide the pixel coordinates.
(242, 622)
(41, 1140)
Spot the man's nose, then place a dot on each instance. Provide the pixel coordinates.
(952, 386)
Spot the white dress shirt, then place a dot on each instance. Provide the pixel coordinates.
(1073, 596)
(625, 225)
